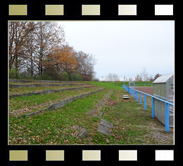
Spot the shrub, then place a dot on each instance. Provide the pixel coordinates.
(75, 77)
(86, 77)
(65, 76)
(24, 75)
(96, 79)
(43, 77)
(13, 73)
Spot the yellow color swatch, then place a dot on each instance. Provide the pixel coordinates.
(91, 155)
(54, 155)
(18, 155)
(127, 155)
(90, 9)
(54, 9)
(127, 9)
(17, 9)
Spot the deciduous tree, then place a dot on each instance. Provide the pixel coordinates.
(156, 76)
(18, 32)
(112, 77)
(144, 74)
(138, 78)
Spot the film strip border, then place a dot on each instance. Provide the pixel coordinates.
(91, 155)
(91, 10)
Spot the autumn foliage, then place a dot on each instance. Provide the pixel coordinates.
(38, 50)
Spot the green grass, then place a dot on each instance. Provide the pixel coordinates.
(143, 82)
(110, 85)
(56, 126)
(28, 83)
(38, 89)
(132, 124)
(35, 100)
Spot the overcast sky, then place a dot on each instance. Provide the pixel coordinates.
(124, 47)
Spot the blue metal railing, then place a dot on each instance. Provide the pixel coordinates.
(134, 94)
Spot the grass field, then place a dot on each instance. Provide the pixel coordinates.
(132, 124)
(36, 102)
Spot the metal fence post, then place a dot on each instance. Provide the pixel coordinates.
(166, 117)
(140, 97)
(153, 110)
(134, 94)
(144, 101)
(137, 95)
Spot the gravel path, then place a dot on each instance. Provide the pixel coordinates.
(148, 90)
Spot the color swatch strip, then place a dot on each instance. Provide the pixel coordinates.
(93, 10)
(91, 155)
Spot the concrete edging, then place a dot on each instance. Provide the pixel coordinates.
(59, 104)
(39, 81)
(40, 85)
(47, 91)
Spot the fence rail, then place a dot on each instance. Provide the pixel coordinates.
(134, 94)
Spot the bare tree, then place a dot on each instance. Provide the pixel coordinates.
(150, 78)
(115, 77)
(112, 77)
(130, 79)
(124, 78)
(144, 74)
(109, 77)
(138, 78)
(85, 64)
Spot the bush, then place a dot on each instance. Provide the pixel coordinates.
(24, 75)
(75, 77)
(43, 77)
(86, 77)
(49, 75)
(65, 76)
(13, 73)
(96, 79)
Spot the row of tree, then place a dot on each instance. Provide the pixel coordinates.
(143, 76)
(38, 50)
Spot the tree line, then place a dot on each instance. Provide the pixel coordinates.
(143, 76)
(37, 50)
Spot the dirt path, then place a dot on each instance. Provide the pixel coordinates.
(96, 110)
(148, 90)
